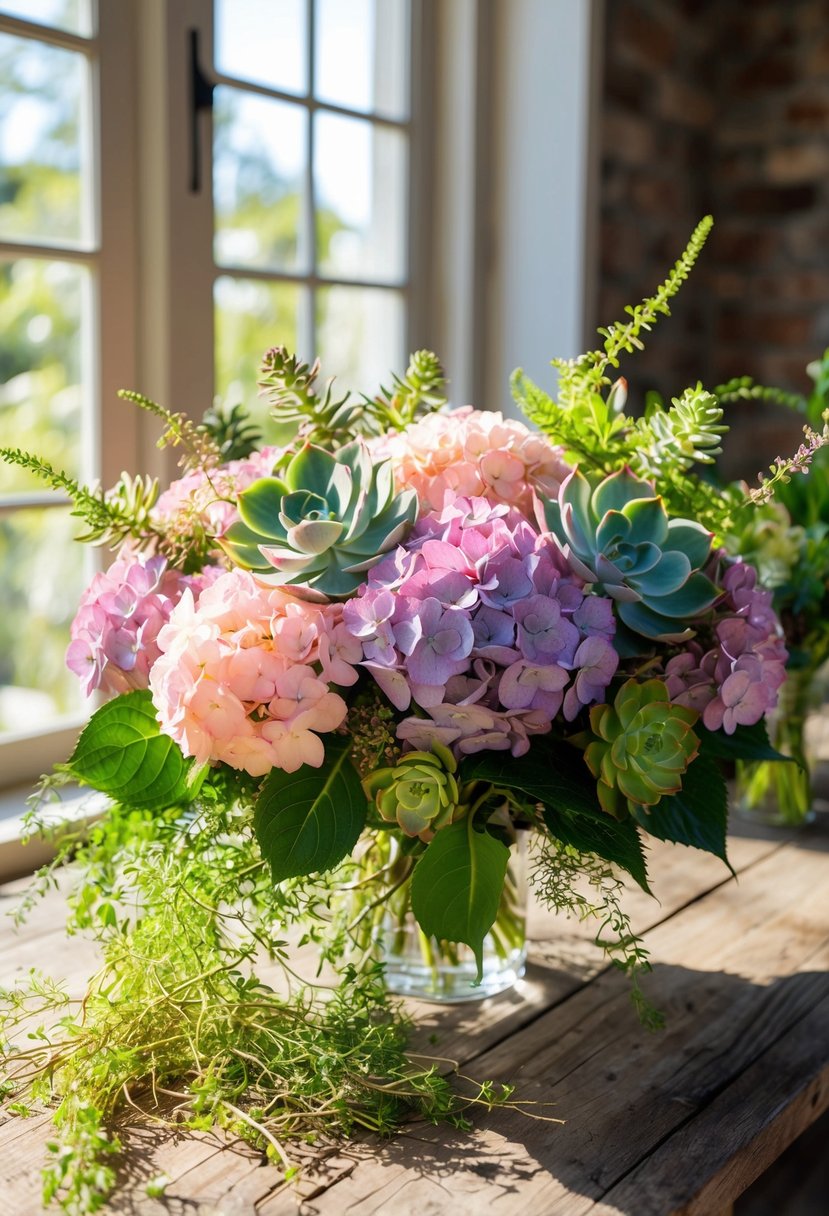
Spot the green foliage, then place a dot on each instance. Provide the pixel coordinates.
(746, 743)
(306, 822)
(697, 815)
(457, 883)
(112, 516)
(121, 752)
(584, 885)
(197, 1006)
(744, 388)
(419, 794)
(331, 420)
(421, 390)
(555, 775)
(199, 449)
(232, 431)
(665, 442)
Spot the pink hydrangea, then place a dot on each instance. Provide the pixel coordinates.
(475, 454)
(735, 682)
(244, 675)
(210, 498)
(478, 621)
(115, 631)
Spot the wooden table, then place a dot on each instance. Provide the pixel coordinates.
(678, 1121)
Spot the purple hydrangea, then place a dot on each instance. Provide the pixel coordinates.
(736, 681)
(478, 620)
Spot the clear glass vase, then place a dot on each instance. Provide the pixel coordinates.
(419, 966)
(780, 794)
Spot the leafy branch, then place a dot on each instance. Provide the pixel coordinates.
(586, 886)
(199, 448)
(111, 516)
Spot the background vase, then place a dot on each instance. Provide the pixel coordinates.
(780, 794)
(431, 970)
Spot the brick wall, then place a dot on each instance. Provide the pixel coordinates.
(720, 106)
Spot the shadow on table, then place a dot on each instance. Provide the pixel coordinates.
(622, 1092)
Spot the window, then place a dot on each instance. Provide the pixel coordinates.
(56, 287)
(311, 132)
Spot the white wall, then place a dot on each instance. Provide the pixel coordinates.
(540, 233)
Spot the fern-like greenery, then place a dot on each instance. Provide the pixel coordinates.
(111, 517)
(199, 449)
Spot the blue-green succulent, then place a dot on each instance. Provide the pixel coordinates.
(616, 534)
(321, 524)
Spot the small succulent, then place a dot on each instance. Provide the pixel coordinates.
(323, 523)
(643, 745)
(420, 794)
(616, 534)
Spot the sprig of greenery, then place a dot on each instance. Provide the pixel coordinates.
(672, 440)
(111, 516)
(587, 887)
(185, 1013)
(744, 388)
(587, 373)
(233, 432)
(420, 391)
(199, 448)
(289, 384)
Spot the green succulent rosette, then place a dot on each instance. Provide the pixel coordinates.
(420, 793)
(643, 745)
(616, 534)
(320, 525)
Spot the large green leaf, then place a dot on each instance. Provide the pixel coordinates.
(747, 743)
(457, 884)
(307, 821)
(122, 752)
(555, 775)
(697, 815)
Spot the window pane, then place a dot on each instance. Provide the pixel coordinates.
(360, 189)
(361, 60)
(252, 316)
(264, 41)
(44, 315)
(72, 15)
(44, 146)
(259, 162)
(37, 555)
(360, 335)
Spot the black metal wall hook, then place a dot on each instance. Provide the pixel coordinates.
(201, 98)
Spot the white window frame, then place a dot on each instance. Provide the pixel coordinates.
(113, 438)
(503, 107)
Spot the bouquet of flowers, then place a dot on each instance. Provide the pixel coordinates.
(344, 677)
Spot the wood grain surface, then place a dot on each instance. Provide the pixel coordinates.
(654, 1124)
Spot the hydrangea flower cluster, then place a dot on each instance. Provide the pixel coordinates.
(474, 453)
(735, 682)
(115, 631)
(209, 496)
(243, 675)
(477, 620)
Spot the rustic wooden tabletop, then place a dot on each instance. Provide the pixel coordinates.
(678, 1121)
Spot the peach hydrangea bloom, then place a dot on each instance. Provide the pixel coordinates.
(243, 677)
(474, 453)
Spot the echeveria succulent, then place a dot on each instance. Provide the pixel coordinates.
(616, 534)
(420, 794)
(323, 523)
(643, 746)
